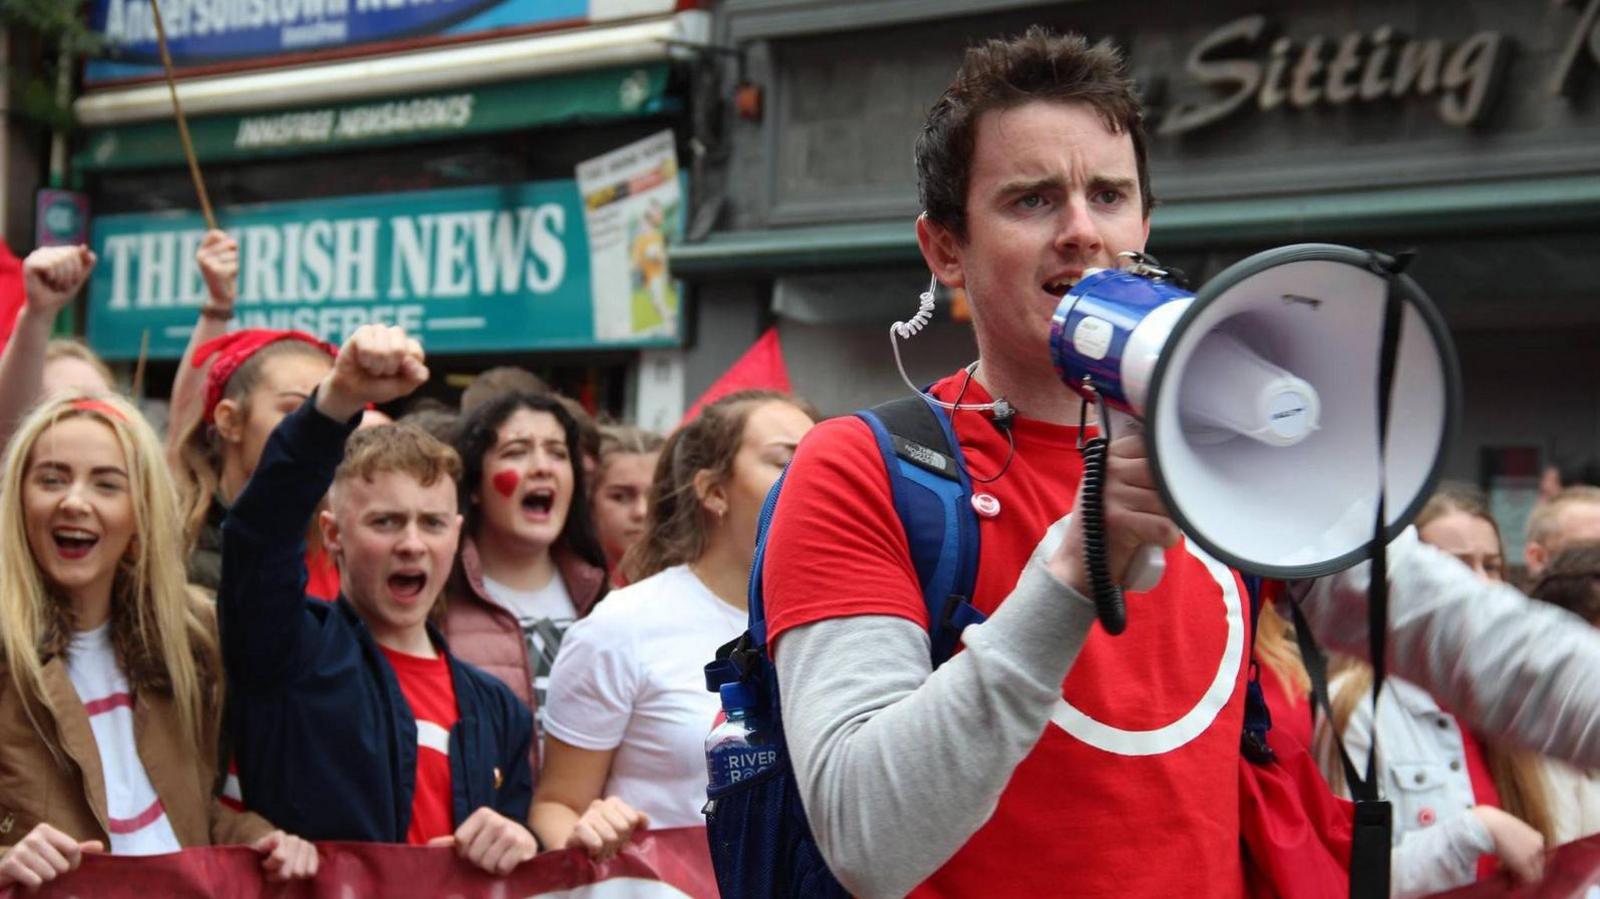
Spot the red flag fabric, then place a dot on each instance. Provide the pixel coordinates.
(670, 864)
(1572, 871)
(761, 367)
(12, 295)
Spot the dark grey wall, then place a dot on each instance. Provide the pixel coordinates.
(848, 83)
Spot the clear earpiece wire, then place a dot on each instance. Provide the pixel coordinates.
(908, 329)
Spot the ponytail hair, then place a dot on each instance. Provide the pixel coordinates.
(677, 524)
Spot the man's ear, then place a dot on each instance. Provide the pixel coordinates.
(941, 250)
(229, 421)
(330, 532)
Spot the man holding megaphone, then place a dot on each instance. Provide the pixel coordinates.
(1049, 756)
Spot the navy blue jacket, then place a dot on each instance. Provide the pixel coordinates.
(324, 740)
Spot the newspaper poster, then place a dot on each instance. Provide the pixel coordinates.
(632, 206)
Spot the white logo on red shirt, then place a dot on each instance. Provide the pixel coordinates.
(1192, 723)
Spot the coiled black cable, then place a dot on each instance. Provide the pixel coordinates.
(1104, 591)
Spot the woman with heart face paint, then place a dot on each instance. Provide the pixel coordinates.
(529, 564)
(628, 710)
(96, 620)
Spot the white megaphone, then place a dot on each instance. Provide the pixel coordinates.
(1259, 399)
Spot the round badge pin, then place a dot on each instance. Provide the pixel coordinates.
(985, 504)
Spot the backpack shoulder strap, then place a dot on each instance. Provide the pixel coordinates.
(933, 499)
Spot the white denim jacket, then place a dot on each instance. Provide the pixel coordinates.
(1519, 669)
(1422, 771)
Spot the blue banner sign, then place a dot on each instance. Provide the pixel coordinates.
(202, 32)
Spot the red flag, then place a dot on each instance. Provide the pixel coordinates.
(662, 864)
(12, 295)
(760, 368)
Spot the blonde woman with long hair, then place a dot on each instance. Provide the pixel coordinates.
(110, 672)
(1464, 802)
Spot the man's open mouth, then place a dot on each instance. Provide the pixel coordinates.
(74, 543)
(407, 584)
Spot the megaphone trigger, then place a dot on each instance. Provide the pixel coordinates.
(1145, 569)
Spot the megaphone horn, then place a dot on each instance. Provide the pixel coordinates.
(1259, 399)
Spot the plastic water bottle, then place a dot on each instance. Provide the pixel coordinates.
(736, 750)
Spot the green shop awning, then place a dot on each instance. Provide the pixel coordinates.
(1500, 207)
(599, 95)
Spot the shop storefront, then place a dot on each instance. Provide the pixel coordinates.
(1467, 131)
(498, 177)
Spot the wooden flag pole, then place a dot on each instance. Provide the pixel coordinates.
(183, 124)
(138, 367)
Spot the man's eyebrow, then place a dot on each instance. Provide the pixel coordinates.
(1113, 182)
(1029, 185)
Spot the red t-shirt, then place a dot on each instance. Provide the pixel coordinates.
(431, 694)
(1484, 792)
(322, 575)
(1133, 790)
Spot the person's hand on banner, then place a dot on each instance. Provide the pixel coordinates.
(288, 857)
(52, 276)
(43, 855)
(377, 364)
(218, 258)
(1519, 847)
(491, 841)
(607, 826)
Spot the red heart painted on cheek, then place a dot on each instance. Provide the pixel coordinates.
(505, 482)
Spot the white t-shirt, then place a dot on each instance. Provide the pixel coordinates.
(631, 677)
(134, 813)
(545, 615)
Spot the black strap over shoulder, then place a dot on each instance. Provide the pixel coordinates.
(919, 435)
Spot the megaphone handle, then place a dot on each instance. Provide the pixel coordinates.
(1148, 565)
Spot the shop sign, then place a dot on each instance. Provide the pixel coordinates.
(1583, 41)
(202, 32)
(1459, 78)
(592, 96)
(496, 268)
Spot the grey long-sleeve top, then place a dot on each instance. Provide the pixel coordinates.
(859, 690)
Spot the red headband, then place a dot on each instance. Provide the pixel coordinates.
(88, 404)
(235, 349)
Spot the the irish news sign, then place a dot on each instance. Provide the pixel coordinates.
(497, 268)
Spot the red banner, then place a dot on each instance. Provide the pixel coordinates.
(1571, 872)
(669, 864)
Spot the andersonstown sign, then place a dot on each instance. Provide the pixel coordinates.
(471, 269)
(209, 32)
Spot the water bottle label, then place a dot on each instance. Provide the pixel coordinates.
(736, 764)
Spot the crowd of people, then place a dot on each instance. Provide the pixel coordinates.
(295, 620)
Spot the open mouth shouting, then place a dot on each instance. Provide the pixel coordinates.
(538, 502)
(74, 543)
(407, 585)
(1058, 286)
